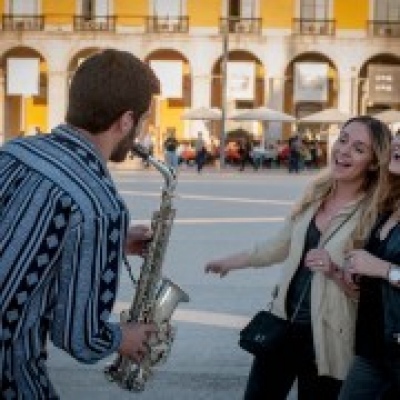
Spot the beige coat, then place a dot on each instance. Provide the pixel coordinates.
(332, 312)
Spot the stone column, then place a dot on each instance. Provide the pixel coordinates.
(275, 101)
(201, 93)
(57, 97)
(201, 89)
(346, 95)
(201, 97)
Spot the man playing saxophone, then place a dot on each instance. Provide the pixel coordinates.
(64, 229)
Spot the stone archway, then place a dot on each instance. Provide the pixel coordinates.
(377, 86)
(78, 58)
(176, 94)
(311, 85)
(317, 101)
(252, 66)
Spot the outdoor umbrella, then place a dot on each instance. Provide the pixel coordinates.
(388, 116)
(264, 115)
(202, 113)
(327, 116)
(203, 118)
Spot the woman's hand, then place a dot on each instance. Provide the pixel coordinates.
(319, 260)
(224, 265)
(137, 239)
(221, 267)
(360, 262)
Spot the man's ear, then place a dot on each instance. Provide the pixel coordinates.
(126, 121)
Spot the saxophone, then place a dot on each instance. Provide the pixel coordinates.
(156, 297)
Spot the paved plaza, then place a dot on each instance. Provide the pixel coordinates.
(218, 212)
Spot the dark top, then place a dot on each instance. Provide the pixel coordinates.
(301, 278)
(369, 328)
(374, 294)
(170, 144)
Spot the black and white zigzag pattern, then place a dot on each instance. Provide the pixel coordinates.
(62, 228)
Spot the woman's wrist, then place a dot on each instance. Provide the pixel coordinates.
(335, 272)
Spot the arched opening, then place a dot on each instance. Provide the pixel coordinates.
(311, 85)
(245, 89)
(173, 70)
(78, 59)
(377, 86)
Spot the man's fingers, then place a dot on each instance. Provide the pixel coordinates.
(150, 328)
(137, 356)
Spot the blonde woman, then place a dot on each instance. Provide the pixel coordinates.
(339, 209)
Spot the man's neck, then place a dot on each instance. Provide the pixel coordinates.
(101, 141)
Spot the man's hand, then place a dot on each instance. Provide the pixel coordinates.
(137, 239)
(135, 337)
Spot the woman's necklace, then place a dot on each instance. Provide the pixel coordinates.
(329, 209)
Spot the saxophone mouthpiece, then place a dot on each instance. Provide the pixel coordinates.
(167, 172)
(138, 149)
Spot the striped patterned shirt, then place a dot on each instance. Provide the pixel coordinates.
(62, 229)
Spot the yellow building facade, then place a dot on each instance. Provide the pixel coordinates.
(296, 56)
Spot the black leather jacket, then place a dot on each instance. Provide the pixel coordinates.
(390, 293)
(385, 314)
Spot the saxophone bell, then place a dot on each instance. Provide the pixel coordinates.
(168, 296)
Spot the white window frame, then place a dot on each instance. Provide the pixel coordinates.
(36, 9)
(182, 8)
(384, 4)
(329, 8)
(109, 7)
(255, 9)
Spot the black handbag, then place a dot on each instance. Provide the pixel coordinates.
(267, 333)
(264, 334)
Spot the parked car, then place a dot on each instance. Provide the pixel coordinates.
(232, 155)
(186, 154)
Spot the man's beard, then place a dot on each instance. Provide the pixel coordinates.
(124, 146)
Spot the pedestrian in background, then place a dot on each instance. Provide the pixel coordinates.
(337, 212)
(201, 151)
(294, 154)
(170, 154)
(245, 151)
(64, 229)
(376, 367)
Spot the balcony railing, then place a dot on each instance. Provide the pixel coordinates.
(240, 25)
(384, 29)
(157, 24)
(94, 23)
(22, 22)
(315, 27)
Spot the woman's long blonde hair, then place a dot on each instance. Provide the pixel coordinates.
(376, 185)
